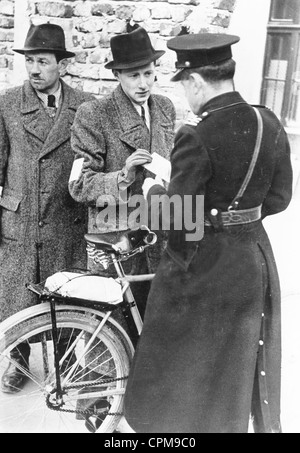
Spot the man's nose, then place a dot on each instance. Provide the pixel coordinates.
(35, 68)
(143, 82)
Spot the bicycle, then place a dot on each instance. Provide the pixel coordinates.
(83, 390)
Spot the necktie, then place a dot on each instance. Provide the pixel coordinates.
(51, 101)
(143, 115)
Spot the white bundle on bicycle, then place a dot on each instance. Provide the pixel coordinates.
(85, 286)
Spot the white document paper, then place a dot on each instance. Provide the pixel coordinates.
(160, 166)
(76, 169)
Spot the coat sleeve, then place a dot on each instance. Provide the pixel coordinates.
(89, 183)
(191, 170)
(280, 192)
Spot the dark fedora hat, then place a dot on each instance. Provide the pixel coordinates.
(132, 50)
(198, 50)
(46, 38)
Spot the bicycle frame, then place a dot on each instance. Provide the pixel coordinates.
(130, 312)
(81, 349)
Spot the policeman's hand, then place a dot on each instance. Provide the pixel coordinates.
(150, 182)
(139, 157)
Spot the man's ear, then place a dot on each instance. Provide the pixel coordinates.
(62, 66)
(116, 74)
(197, 81)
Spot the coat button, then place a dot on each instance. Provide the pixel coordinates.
(261, 343)
(266, 402)
(41, 224)
(263, 373)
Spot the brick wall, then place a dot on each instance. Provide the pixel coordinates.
(89, 25)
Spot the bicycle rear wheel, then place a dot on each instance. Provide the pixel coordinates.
(93, 372)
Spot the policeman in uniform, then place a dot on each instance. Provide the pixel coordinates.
(209, 355)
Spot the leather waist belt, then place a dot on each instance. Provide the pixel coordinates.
(232, 217)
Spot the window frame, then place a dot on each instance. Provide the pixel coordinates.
(280, 27)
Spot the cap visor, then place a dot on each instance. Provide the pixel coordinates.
(177, 77)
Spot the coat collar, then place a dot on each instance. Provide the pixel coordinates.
(134, 132)
(30, 101)
(36, 122)
(221, 101)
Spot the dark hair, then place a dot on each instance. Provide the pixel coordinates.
(214, 73)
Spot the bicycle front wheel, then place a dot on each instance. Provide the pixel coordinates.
(95, 358)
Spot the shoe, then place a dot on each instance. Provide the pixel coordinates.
(13, 379)
(91, 407)
(99, 411)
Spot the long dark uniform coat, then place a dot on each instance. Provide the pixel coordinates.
(42, 227)
(104, 134)
(210, 349)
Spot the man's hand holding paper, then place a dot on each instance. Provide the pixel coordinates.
(160, 167)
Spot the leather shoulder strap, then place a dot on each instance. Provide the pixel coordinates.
(237, 198)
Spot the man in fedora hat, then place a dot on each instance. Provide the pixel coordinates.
(113, 137)
(209, 353)
(42, 227)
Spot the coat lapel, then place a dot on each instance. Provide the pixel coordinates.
(35, 120)
(134, 134)
(161, 127)
(61, 130)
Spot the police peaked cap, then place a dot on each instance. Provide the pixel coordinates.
(203, 49)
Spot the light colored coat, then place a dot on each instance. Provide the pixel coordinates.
(42, 227)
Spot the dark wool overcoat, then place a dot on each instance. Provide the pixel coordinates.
(105, 133)
(210, 350)
(42, 227)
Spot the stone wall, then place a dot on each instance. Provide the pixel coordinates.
(7, 11)
(90, 24)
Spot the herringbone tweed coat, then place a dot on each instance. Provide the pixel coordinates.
(104, 134)
(42, 227)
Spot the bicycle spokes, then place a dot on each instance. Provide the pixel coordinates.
(92, 366)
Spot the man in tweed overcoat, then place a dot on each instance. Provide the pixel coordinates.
(111, 141)
(42, 227)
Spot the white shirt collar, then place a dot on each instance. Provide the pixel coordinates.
(147, 112)
(44, 97)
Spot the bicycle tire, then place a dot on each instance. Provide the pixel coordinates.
(106, 363)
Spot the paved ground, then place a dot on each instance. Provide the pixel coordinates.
(284, 232)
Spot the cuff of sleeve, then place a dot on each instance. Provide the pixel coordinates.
(124, 186)
(123, 179)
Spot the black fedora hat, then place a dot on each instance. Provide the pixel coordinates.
(132, 50)
(46, 38)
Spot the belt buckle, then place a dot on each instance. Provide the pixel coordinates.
(233, 217)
